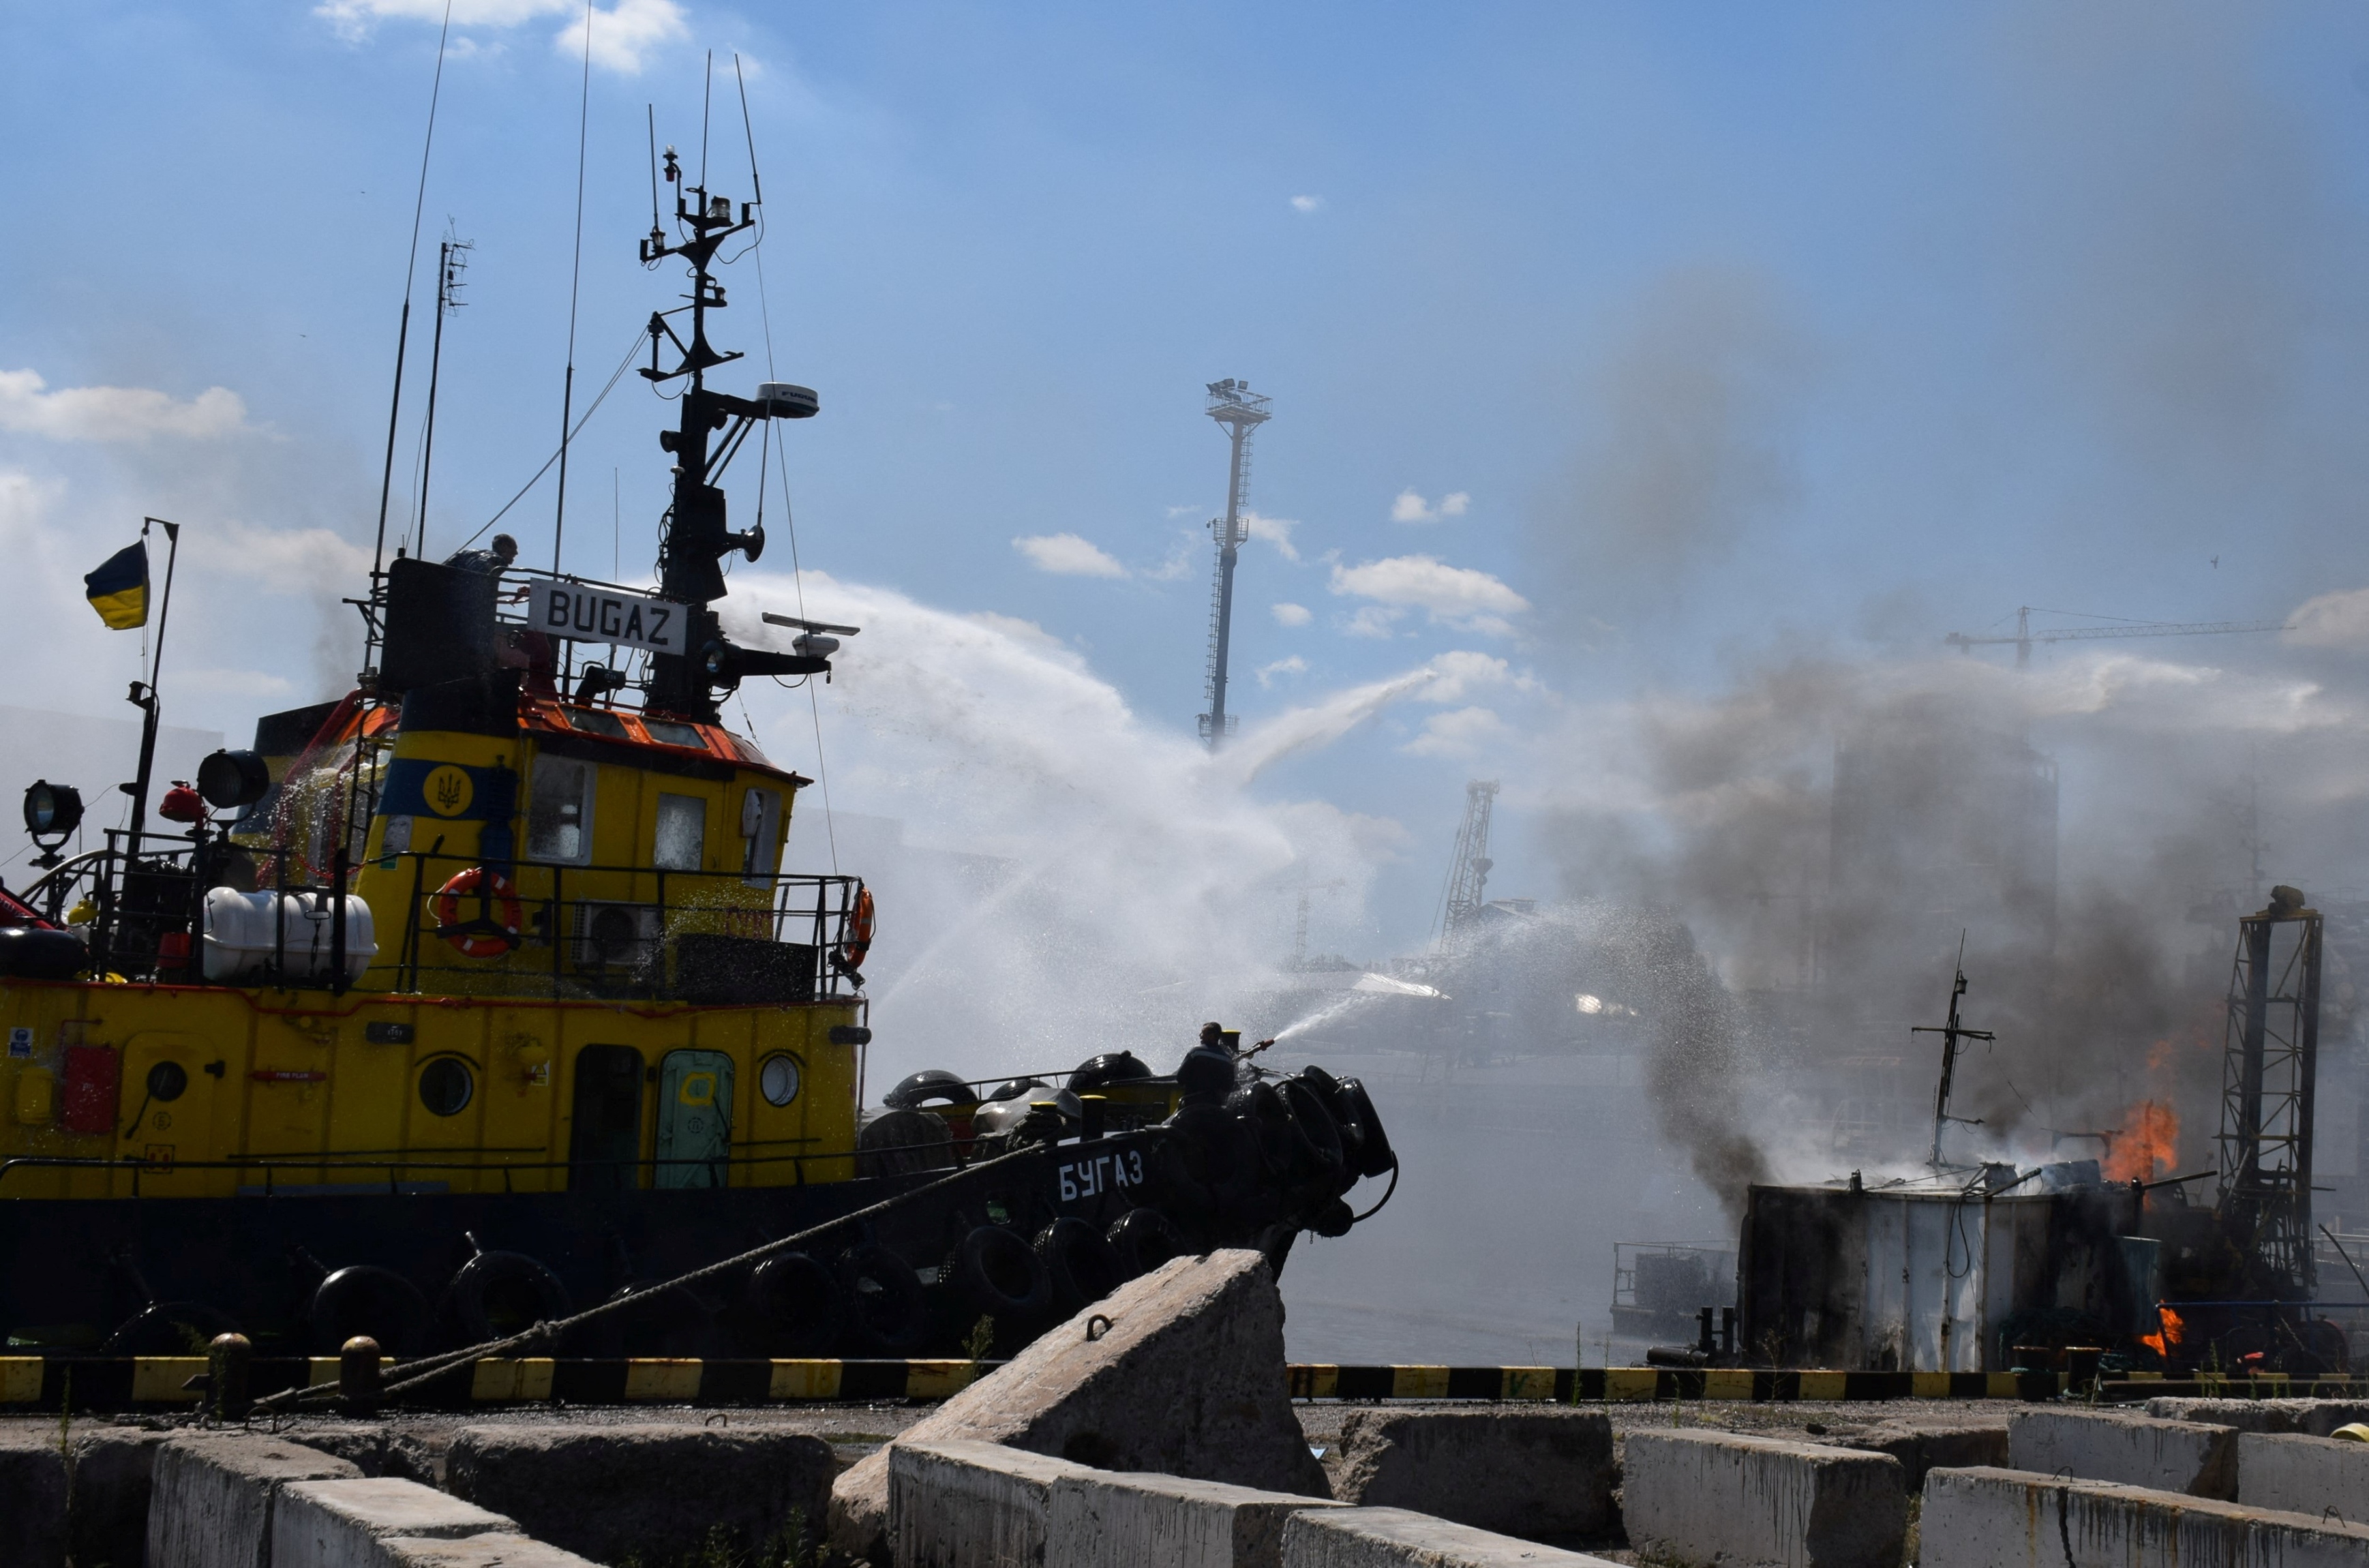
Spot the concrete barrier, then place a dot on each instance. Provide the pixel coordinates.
(2136, 1450)
(96, 1511)
(1921, 1448)
(2303, 1475)
(341, 1524)
(1397, 1538)
(968, 1504)
(1530, 1472)
(1165, 1521)
(1703, 1497)
(210, 1498)
(646, 1489)
(2314, 1417)
(494, 1550)
(2004, 1518)
(375, 1449)
(1184, 1376)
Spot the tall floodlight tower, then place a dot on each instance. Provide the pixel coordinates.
(1232, 405)
(1468, 878)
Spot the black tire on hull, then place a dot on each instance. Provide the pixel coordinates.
(169, 1328)
(889, 1315)
(366, 1300)
(675, 1323)
(496, 1295)
(791, 1308)
(998, 1275)
(1144, 1238)
(1080, 1261)
(1316, 1136)
(1374, 1156)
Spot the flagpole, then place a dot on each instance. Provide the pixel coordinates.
(147, 699)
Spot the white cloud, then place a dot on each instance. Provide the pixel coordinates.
(1374, 621)
(1307, 203)
(1065, 554)
(1412, 508)
(1295, 665)
(1461, 671)
(1459, 733)
(1292, 614)
(1275, 531)
(114, 413)
(2333, 619)
(623, 36)
(277, 560)
(1454, 596)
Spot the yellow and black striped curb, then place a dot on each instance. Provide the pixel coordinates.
(101, 1383)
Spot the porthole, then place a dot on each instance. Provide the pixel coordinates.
(777, 1080)
(166, 1081)
(445, 1086)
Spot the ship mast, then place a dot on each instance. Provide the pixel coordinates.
(696, 536)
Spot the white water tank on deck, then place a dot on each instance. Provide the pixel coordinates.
(246, 932)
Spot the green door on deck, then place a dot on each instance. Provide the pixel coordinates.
(695, 1118)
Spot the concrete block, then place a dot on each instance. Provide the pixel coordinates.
(1166, 1521)
(1397, 1538)
(2136, 1450)
(970, 1504)
(652, 1490)
(33, 1499)
(2004, 1518)
(2314, 1417)
(96, 1515)
(1188, 1379)
(1703, 1497)
(377, 1450)
(1921, 1448)
(341, 1524)
(1530, 1472)
(2243, 1414)
(210, 1498)
(496, 1550)
(2303, 1475)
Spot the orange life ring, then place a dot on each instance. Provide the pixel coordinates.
(488, 935)
(859, 931)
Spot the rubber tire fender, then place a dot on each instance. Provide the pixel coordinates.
(1374, 1156)
(1316, 1136)
(1145, 1239)
(997, 1274)
(363, 1298)
(1084, 1266)
(503, 1281)
(791, 1308)
(891, 1318)
(1261, 1110)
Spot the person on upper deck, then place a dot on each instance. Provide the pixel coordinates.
(492, 561)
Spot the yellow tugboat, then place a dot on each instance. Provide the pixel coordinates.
(480, 994)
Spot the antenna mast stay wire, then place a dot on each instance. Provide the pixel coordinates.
(575, 284)
(403, 331)
(782, 458)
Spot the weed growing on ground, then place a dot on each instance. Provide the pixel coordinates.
(723, 1548)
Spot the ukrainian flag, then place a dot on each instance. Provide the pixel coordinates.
(119, 589)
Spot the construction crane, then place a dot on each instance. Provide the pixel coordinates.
(1468, 875)
(1232, 405)
(2025, 637)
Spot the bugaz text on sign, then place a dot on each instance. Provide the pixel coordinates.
(605, 615)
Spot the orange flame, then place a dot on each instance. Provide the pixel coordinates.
(2148, 1144)
(2162, 1341)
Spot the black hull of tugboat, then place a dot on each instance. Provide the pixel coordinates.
(160, 1275)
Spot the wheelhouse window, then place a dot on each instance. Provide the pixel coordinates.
(559, 812)
(592, 721)
(761, 828)
(667, 733)
(681, 834)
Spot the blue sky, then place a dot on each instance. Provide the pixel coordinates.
(1746, 334)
